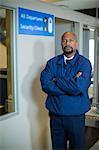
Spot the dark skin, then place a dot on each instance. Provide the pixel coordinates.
(69, 44)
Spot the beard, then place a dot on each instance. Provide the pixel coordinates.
(68, 50)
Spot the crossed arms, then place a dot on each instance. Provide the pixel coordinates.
(62, 85)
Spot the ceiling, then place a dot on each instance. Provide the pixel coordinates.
(74, 4)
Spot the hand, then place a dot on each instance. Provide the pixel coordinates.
(78, 74)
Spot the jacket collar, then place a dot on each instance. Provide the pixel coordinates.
(72, 61)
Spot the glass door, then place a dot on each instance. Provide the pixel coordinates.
(90, 52)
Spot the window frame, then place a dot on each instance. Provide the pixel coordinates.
(13, 63)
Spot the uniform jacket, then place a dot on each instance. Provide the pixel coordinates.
(67, 94)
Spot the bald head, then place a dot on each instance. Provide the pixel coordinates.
(70, 34)
(69, 43)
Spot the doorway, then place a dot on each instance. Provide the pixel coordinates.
(61, 26)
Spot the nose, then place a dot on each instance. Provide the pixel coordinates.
(67, 43)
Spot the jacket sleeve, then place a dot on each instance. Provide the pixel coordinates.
(47, 82)
(77, 85)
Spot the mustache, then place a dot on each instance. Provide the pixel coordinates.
(66, 47)
(66, 51)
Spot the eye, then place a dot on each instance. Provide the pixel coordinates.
(64, 41)
(70, 40)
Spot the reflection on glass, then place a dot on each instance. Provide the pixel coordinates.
(6, 95)
(89, 51)
(91, 58)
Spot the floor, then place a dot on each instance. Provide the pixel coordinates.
(95, 146)
(92, 138)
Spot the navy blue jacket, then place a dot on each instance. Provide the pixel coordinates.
(67, 94)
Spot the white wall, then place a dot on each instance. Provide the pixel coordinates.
(29, 129)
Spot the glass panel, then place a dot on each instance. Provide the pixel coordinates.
(6, 68)
(89, 52)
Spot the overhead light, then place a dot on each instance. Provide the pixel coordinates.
(64, 6)
(51, 0)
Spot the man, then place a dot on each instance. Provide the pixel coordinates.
(66, 79)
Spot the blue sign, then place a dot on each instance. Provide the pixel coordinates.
(35, 23)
